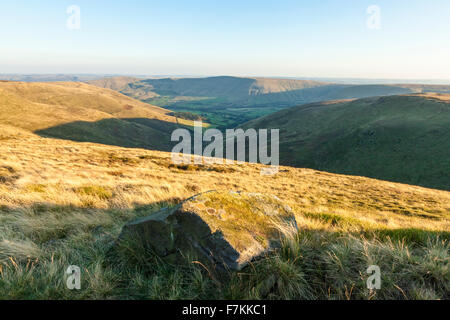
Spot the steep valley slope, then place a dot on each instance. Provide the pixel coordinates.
(85, 113)
(227, 102)
(64, 203)
(398, 138)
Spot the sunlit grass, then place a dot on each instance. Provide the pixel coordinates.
(68, 202)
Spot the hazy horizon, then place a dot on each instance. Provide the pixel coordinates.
(341, 80)
(291, 39)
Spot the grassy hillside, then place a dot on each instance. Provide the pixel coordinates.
(86, 113)
(63, 203)
(229, 101)
(399, 138)
(113, 83)
(426, 88)
(228, 88)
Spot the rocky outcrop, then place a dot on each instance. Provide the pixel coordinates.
(223, 230)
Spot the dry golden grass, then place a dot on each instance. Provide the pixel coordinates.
(270, 85)
(50, 171)
(436, 96)
(63, 203)
(114, 83)
(37, 106)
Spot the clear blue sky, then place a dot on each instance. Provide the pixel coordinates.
(298, 38)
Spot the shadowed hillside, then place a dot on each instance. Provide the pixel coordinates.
(64, 203)
(227, 102)
(398, 138)
(81, 112)
(245, 92)
(113, 83)
(143, 133)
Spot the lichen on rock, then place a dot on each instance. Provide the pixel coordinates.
(223, 230)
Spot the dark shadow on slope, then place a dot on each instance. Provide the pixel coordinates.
(143, 133)
(390, 154)
(198, 87)
(238, 91)
(401, 139)
(384, 154)
(227, 92)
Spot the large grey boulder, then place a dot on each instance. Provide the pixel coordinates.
(222, 230)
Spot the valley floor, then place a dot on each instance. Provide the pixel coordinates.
(62, 203)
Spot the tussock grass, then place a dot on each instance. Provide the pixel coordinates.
(95, 191)
(320, 265)
(311, 265)
(66, 208)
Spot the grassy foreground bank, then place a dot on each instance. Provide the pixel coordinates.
(64, 203)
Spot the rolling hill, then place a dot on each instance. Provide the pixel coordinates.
(397, 138)
(85, 113)
(229, 101)
(247, 92)
(65, 203)
(113, 83)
